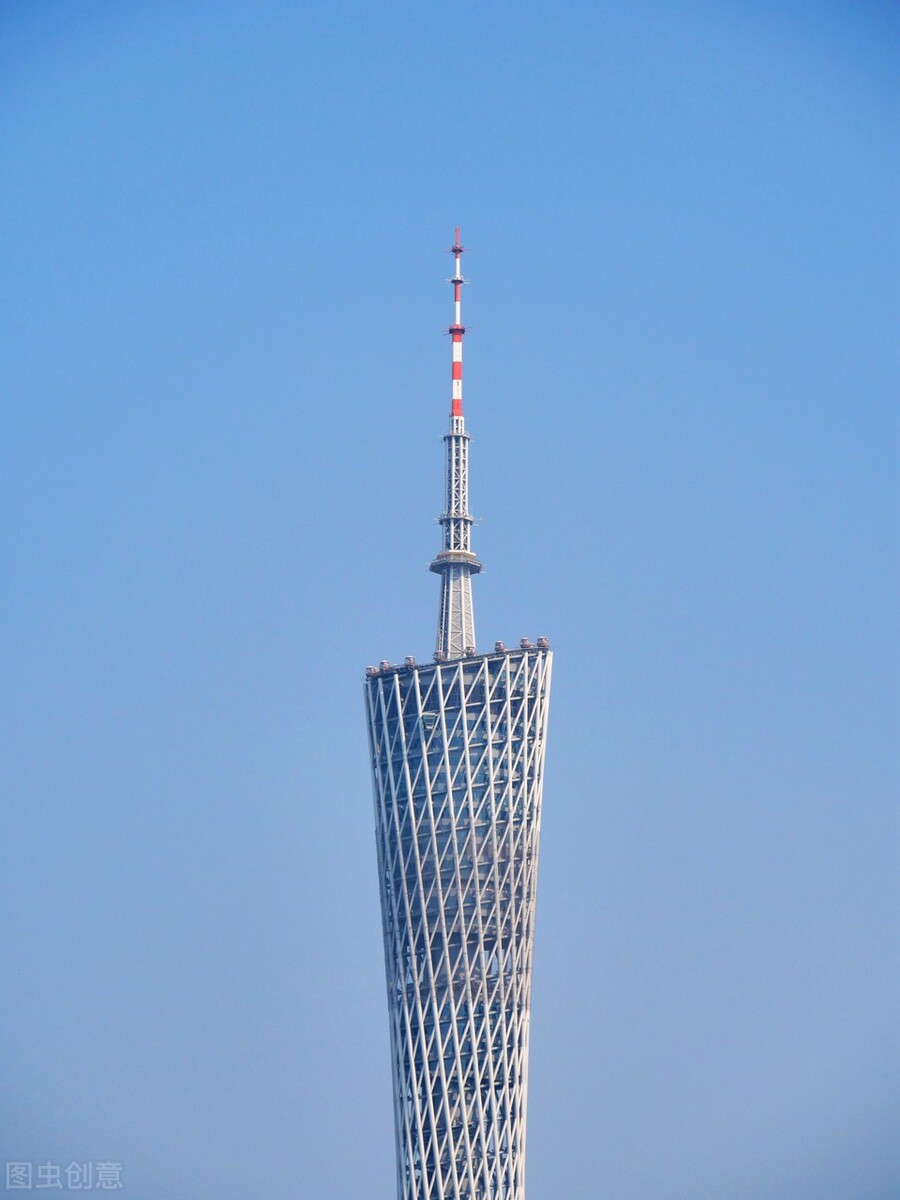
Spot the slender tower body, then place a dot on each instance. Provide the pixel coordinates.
(457, 751)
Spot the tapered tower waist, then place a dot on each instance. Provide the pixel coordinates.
(457, 753)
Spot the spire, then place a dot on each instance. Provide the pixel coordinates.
(456, 564)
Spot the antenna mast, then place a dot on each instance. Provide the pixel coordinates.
(456, 564)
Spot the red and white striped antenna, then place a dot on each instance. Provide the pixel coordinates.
(455, 562)
(457, 329)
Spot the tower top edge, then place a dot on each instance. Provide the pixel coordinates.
(500, 651)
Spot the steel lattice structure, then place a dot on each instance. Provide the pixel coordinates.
(457, 751)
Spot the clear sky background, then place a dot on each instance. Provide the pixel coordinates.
(224, 378)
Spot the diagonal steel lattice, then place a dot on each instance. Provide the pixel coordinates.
(458, 758)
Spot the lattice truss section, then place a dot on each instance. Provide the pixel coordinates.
(456, 620)
(457, 520)
(458, 757)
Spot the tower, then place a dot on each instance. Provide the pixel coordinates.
(457, 753)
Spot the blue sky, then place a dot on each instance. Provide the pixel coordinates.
(224, 381)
